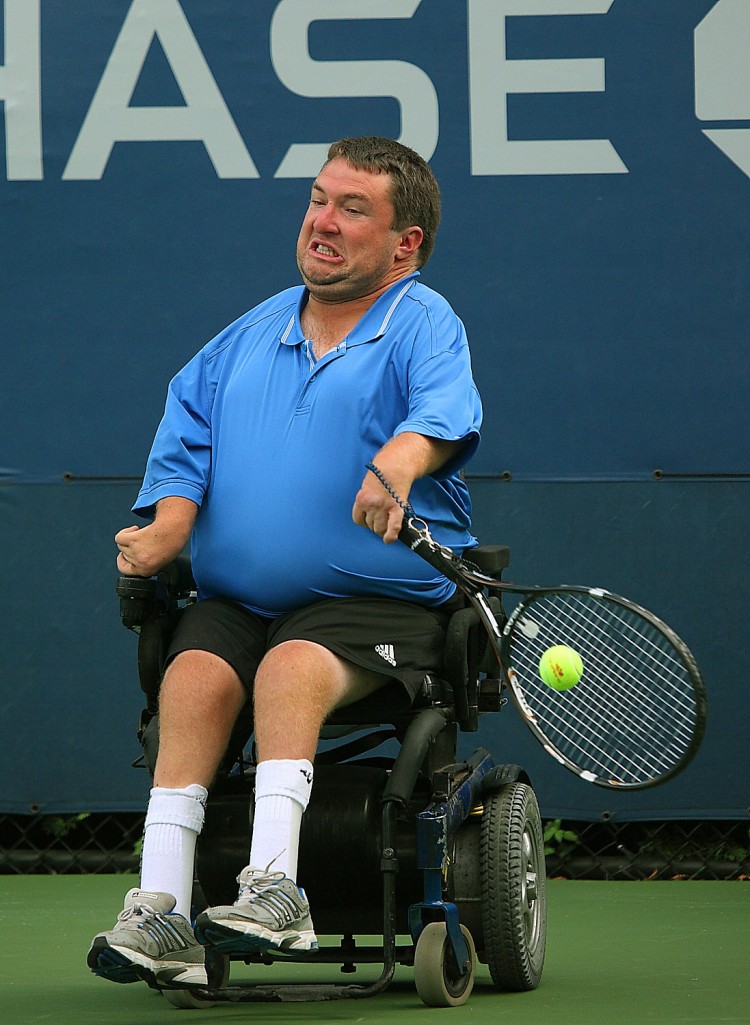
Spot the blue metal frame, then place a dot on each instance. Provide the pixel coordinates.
(435, 825)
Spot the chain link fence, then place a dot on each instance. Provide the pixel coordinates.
(57, 844)
(648, 850)
(102, 842)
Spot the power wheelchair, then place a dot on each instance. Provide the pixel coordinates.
(445, 853)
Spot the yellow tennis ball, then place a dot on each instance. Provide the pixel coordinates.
(560, 667)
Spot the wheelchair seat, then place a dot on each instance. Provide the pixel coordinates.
(411, 840)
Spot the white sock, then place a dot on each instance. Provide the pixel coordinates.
(173, 821)
(282, 792)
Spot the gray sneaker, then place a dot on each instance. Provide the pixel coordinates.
(149, 942)
(271, 915)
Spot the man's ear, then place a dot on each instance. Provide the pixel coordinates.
(411, 240)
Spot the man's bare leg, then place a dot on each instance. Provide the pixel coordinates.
(200, 699)
(297, 686)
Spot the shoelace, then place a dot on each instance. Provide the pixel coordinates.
(135, 909)
(256, 882)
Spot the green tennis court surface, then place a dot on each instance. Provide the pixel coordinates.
(671, 953)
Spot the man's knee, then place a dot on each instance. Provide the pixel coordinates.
(298, 668)
(298, 656)
(302, 666)
(195, 672)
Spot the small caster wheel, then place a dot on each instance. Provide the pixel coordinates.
(217, 969)
(436, 975)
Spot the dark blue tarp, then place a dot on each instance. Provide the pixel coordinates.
(605, 289)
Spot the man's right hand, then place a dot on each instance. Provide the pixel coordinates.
(142, 554)
(146, 550)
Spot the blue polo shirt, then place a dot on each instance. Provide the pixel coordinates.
(272, 446)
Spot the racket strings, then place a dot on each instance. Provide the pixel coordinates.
(592, 744)
(622, 745)
(597, 708)
(633, 715)
(640, 653)
(635, 655)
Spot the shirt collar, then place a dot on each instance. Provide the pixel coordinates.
(373, 324)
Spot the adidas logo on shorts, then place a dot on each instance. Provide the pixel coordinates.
(386, 651)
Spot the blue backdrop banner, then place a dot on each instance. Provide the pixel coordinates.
(594, 157)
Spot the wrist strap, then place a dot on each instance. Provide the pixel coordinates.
(405, 506)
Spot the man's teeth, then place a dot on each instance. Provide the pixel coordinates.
(325, 250)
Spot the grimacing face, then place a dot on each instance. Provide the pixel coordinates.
(347, 246)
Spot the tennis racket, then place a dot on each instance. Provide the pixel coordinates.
(637, 716)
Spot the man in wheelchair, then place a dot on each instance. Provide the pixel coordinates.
(259, 462)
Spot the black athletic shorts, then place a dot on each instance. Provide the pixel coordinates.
(401, 640)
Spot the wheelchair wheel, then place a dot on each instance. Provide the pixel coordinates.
(514, 891)
(436, 976)
(217, 969)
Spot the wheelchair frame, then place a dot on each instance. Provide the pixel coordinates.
(434, 846)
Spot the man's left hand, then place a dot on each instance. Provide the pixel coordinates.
(375, 509)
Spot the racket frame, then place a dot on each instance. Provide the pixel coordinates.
(473, 583)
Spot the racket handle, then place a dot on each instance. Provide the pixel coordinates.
(429, 550)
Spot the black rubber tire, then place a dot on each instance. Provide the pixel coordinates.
(514, 887)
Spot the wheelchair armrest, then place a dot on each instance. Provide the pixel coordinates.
(467, 654)
(490, 559)
(461, 661)
(138, 599)
(178, 577)
(141, 597)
